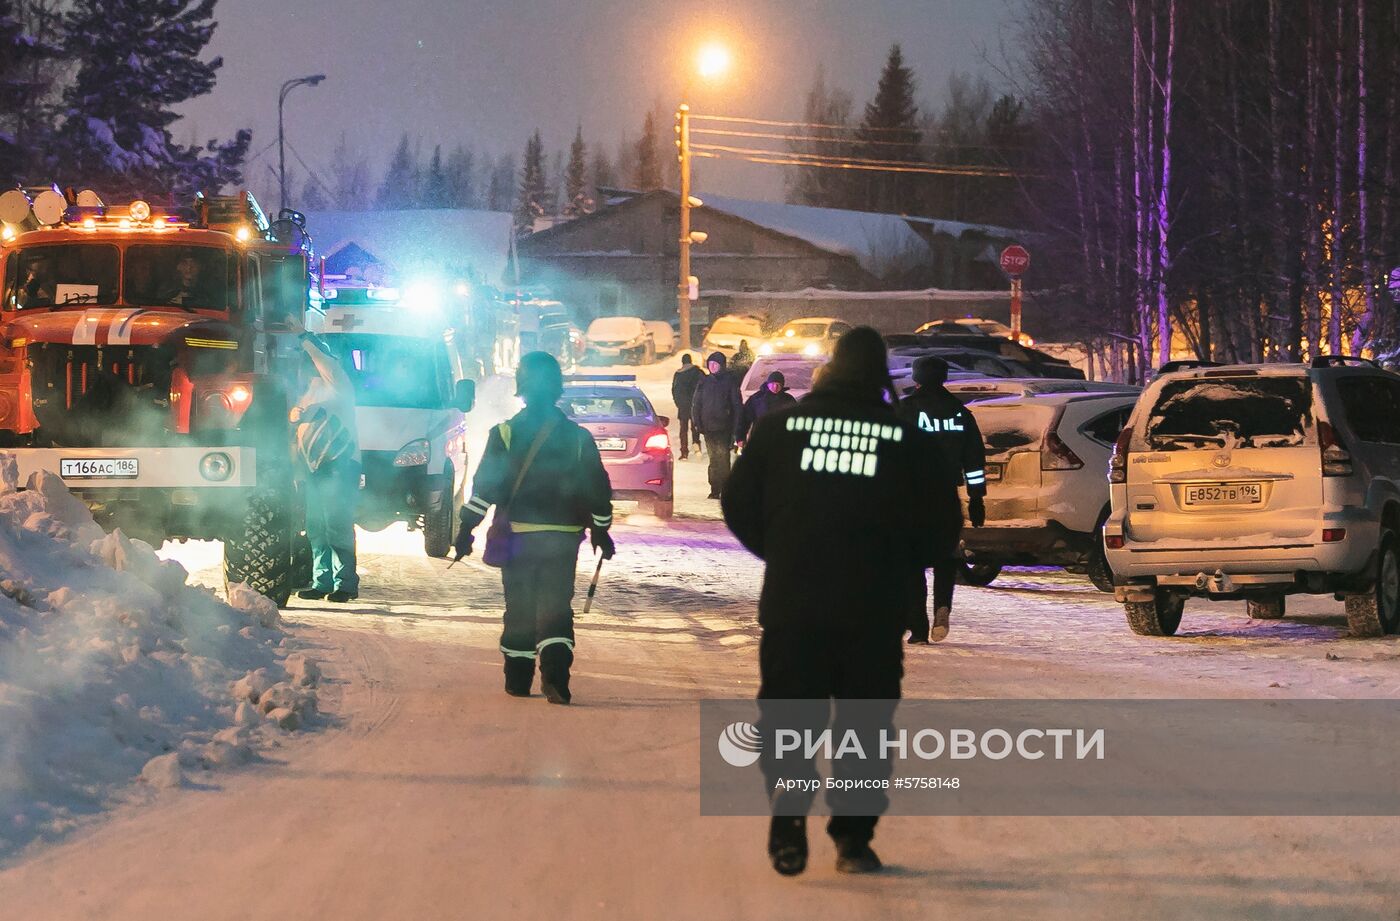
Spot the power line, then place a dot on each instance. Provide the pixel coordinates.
(870, 163)
(803, 137)
(330, 196)
(779, 159)
(781, 124)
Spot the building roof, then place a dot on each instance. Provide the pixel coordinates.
(871, 239)
(429, 239)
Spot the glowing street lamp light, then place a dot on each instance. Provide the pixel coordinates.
(712, 61)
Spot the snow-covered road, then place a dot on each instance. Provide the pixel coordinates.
(430, 794)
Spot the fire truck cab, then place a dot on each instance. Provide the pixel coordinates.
(406, 351)
(148, 357)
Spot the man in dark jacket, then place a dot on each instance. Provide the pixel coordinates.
(952, 429)
(716, 409)
(772, 396)
(683, 384)
(832, 495)
(543, 471)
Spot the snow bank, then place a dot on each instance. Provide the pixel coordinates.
(115, 675)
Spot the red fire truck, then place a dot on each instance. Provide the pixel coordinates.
(149, 355)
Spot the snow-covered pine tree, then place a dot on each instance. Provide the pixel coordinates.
(532, 196)
(399, 190)
(25, 53)
(349, 177)
(137, 61)
(646, 173)
(890, 131)
(461, 178)
(577, 200)
(436, 192)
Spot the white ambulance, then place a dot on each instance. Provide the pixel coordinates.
(413, 388)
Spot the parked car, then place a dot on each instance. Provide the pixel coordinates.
(621, 339)
(798, 371)
(663, 335)
(631, 438)
(1037, 363)
(725, 334)
(1047, 497)
(974, 391)
(903, 379)
(1256, 482)
(977, 325)
(810, 336)
(985, 364)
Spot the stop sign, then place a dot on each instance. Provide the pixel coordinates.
(1015, 260)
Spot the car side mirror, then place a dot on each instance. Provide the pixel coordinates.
(464, 396)
(664, 420)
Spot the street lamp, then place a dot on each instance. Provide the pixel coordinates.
(712, 61)
(281, 139)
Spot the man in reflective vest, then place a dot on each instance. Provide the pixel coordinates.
(833, 495)
(946, 422)
(544, 473)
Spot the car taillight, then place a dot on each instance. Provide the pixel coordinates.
(658, 442)
(1118, 460)
(1056, 455)
(1113, 541)
(1336, 459)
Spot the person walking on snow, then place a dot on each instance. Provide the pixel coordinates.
(543, 473)
(772, 396)
(946, 422)
(716, 410)
(833, 495)
(683, 384)
(328, 452)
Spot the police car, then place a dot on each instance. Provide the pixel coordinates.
(631, 437)
(408, 362)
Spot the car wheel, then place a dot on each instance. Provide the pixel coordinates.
(1159, 617)
(981, 574)
(1098, 570)
(1265, 608)
(1377, 612)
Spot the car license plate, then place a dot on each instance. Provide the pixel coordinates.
(612, 444)
(99, 468)
(993, 472)
(1224, 494)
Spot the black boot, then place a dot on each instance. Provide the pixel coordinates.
(555, 659)
(520, 674)
(855, 856)
(787, 844)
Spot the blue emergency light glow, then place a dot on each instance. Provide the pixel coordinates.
(383, 294)
(422, 295)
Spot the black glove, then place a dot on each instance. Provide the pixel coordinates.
(976, 511)
(463, 544)
(602, 541)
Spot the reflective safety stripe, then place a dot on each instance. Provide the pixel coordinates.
(976, 477)
(522, 527)
(478, 505)
(555, 639)
(599, 522)
(518, 654)
(504, 429)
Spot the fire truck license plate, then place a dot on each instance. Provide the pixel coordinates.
(1224, 494)
(99, 468)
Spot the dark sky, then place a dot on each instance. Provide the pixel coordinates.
(488, 72)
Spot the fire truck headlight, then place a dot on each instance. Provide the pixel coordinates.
(413, 454)
(216, 466)
(215, 410)
(139, 211)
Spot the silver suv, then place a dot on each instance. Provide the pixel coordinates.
(1255, 482)
(1046, 494)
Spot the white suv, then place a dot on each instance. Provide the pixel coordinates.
(1046, 493)
(1255, 482)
